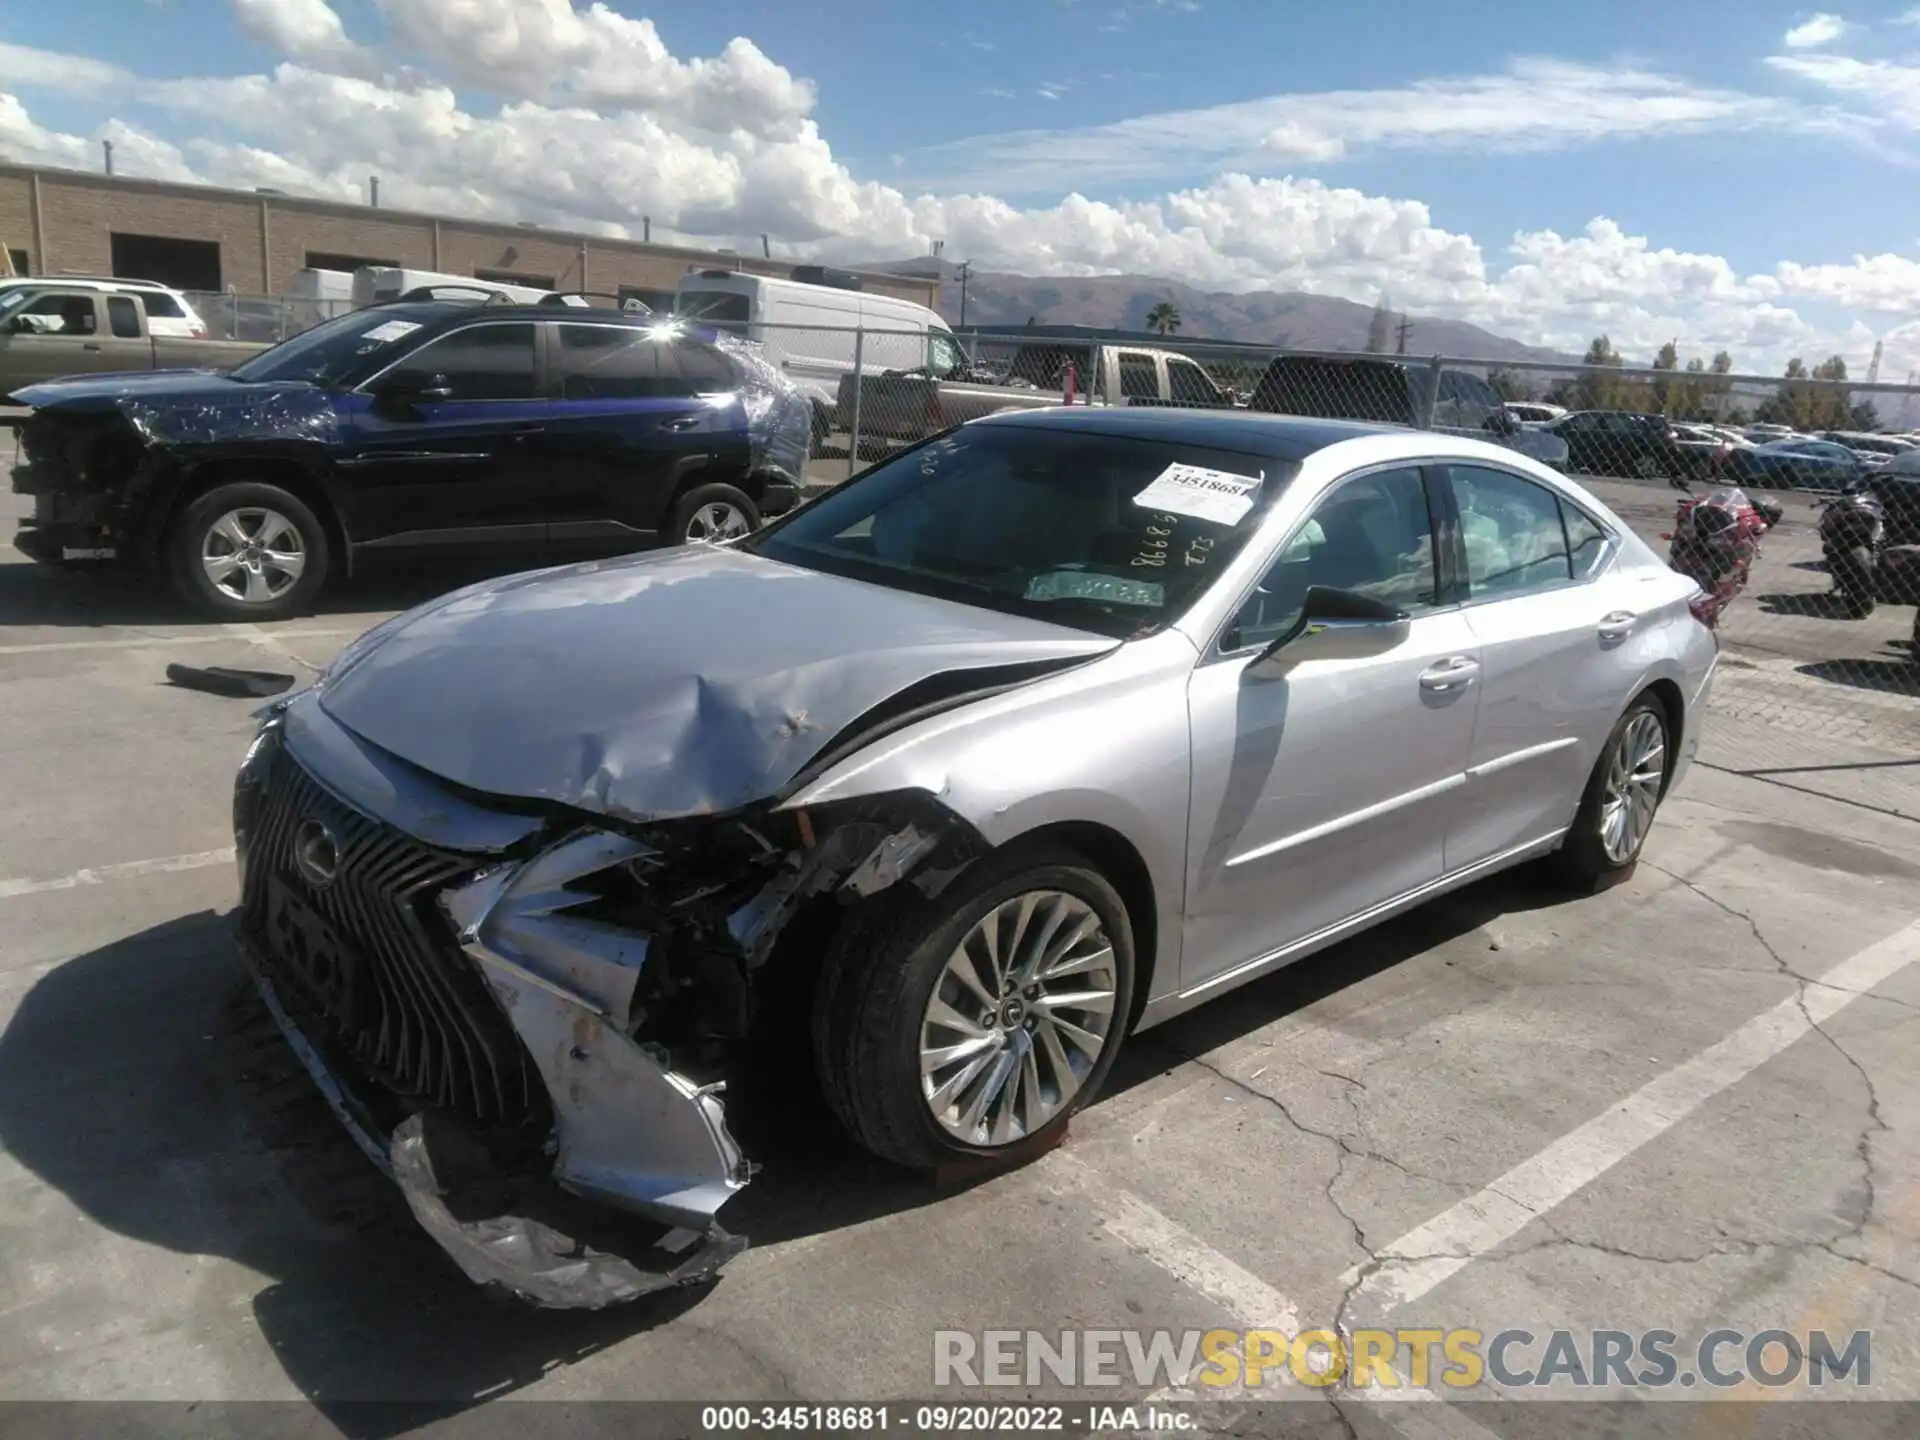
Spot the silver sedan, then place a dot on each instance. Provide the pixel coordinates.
(1029, 738)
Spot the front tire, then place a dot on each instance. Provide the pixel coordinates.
(710, 513)
(1622, 795)
(248, 551)
(965, 1027)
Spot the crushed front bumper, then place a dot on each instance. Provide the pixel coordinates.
(376, 994)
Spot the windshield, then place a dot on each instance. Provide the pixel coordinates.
(1055, 524)
(722, 309)
(331, 349)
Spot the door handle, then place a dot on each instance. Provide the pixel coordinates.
(1456, 672)
(90, 346)
(680, 423)
(1618, 626)
(517, 433)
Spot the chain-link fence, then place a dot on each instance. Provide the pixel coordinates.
(1795, 499)
(260, 319)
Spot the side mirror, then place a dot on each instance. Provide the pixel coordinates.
(1333, 625)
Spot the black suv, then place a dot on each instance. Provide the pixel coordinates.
(1622, 442)
(544, 432)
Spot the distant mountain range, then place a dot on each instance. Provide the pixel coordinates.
(1289, 318)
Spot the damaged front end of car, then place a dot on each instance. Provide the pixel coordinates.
(516, 1007)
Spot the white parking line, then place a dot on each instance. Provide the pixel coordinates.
(266, 640)
(1430, 1253)
(101, 874)
(149, 642)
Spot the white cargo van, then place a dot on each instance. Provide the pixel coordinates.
(808, 327)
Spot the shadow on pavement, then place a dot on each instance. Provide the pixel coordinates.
(32, 594)
(1889, 677)
(1820, 605)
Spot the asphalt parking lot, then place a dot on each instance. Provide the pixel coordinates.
(1689, 1102)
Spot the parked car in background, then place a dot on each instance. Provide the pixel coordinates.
(1029, 738)
(1764, 433)
(810, 327)
(1620, 442)
(1394, 392)
(169, 313)
(1531, 412)
(48, 331)
(1701, 449)
(912, 404)
(1800, 464)
(1870, 449)
(531, 432)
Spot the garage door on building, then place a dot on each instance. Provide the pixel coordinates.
(183, 264)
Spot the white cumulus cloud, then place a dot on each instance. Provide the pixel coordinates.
(1816, 30)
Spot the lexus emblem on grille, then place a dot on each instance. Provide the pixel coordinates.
(316, 853)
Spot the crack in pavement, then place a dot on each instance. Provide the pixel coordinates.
(1876, 1122)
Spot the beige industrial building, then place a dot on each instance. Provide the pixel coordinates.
(194, 237)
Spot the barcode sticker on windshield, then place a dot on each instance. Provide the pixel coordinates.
(392, 330)
(1218, 496)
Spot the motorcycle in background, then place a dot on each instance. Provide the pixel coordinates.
(1870, 535)
(1714, 542)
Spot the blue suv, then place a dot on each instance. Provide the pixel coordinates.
(542, 432)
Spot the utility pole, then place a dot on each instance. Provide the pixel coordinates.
(373, 191)
(1401, 331)
(766, 248)
(106, 147)
(1873, 366)
(966, 268)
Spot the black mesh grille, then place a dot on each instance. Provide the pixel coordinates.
(369, 960)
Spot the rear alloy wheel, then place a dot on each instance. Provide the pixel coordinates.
(1646, 467)
(967, 1026)
(1853, 578)
(249, 551)
(709, 514)
(1622, 795)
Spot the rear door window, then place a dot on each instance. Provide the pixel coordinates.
(1515, 540)
(123, 317)
(161, 305)
(1189, 385)
(701, 369)
(1139, 378)
(607, 362)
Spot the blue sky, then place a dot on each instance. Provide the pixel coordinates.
(1729, 171)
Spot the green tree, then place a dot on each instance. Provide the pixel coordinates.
(1510, 385)
(1832, 406)
(1163, 318)
(1596, 390)
(1662, 389)
(1380, 329)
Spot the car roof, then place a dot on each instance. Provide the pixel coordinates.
(452, 313)
(1281, 437)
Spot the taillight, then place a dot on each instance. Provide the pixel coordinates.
(1701, 607)
(198, 332)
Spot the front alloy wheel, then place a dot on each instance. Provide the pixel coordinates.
(253, 555)
(1634, 776)
(1018, 1018)
(715, 522)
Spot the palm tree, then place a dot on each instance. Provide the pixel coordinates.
(1163, 319)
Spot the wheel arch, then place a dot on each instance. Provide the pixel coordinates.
(295, 474)
(1115, 857)
(1666, 692)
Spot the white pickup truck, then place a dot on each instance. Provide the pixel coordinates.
(912, 404)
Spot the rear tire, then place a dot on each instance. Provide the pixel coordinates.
(710, 513)
(889, 978)
(1622, 795)
(1853, 580)
(248, 551)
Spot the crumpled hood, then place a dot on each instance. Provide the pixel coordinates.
(680, 682)
(193, 407)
